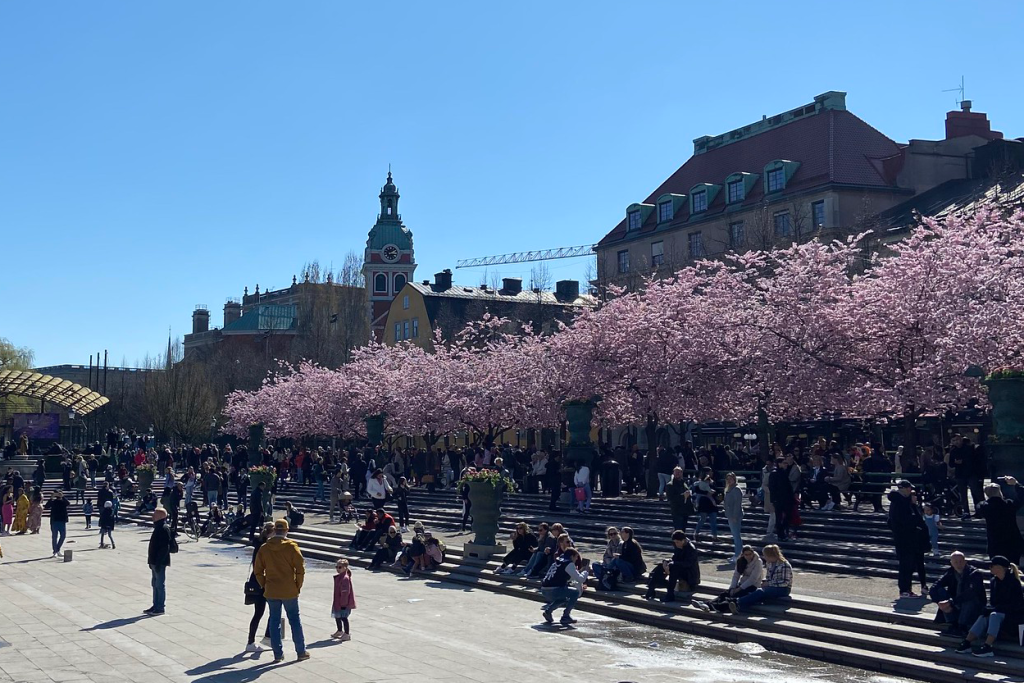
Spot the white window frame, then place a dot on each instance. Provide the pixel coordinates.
(405, 302)
(376, 277)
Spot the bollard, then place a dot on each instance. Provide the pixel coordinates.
(68, 555)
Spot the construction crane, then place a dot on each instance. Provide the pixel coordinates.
(524, 256)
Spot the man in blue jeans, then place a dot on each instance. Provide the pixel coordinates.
(161, 545)
(58, 508)
(280, 570)
(557, 587)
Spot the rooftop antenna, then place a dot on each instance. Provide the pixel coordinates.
(959, 90)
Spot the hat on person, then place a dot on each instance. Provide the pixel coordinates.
(281, 525)
(904, 484)
(1001, 560)
(108, 504)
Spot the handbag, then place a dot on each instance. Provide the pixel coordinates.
(581, 493)
(253, 590)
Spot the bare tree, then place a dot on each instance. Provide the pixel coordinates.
(540, 277)
(179, 401)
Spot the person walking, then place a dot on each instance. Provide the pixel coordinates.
(256, 514)
(254, 593)
(161, 546)
(280, 571)
(344, 599)
(337, 488)
(734, 513)
(910, 536)
(58, 508)
(107, 524)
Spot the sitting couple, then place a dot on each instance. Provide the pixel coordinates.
(748, 588)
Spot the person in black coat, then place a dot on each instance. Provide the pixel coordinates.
(256, 508)
(161, 545)
(874, 467)
(910, 536)
(523, 545)
(684, 566)
(553, 479)
(1000, 515)
(959, 594)
(781, 491)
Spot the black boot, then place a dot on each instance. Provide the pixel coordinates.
(670, 596)
(649, 595)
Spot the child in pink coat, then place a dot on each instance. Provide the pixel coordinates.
(344, 600)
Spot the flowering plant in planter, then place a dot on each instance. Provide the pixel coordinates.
(263, 470)
(493, 477)
(146, 467)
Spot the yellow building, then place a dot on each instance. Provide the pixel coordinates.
(423, 307)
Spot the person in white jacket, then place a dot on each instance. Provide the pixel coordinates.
(581, 480)
(378, 488)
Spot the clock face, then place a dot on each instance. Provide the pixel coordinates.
(389, 253)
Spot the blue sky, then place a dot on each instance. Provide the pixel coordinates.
(159, 155)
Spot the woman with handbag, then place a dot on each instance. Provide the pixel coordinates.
(254, 593)
(581, 482)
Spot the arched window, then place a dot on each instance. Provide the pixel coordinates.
(389, 207)
(399, 282)
(380, 283)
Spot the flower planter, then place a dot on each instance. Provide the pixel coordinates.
(484, 498)
(374, 429)
(145, 478)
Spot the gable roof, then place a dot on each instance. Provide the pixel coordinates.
(833, 147)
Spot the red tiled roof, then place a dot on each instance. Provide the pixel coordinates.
(833, 147)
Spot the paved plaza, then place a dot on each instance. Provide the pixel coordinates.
(81, 621)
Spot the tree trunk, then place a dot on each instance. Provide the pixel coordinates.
(651, 430)
(910, 431)
(763, 432)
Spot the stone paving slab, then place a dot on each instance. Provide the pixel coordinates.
(81, 621)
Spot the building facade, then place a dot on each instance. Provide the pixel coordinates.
(814, 171)
(389, 261)
(422, 308)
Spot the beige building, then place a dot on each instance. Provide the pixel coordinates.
(817, 170)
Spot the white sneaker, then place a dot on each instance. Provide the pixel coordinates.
(253, 647)
(345, 637)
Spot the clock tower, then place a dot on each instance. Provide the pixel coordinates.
(389, 261)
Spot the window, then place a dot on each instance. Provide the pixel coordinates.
(624, 261)
(664, 212)
(389, 207)
(818, 214)
(782, 226)
(399, 282)
(736, 192)
(776, 179)
(405, 302)
(657, 254)
(415, 328)
(737, 235)
(700, 201)
(405, 329)
(696, 241)
(634, 220)
(380, 282)
(398, 332)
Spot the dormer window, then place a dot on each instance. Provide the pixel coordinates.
(699, 201)
(776, 180)
(665, 212)
(778, 173)
(635, 220)
(736, 191)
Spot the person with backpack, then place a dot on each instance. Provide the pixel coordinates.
(161, 546)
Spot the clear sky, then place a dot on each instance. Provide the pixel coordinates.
(159, 155)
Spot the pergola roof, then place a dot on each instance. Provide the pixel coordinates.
(64, 393)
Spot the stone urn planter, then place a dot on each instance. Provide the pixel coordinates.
(1006, 446)
(256, 434)
(579, 414)
(374, 429)
(485, 498)
(145, 477)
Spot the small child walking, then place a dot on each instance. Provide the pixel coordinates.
(87, 510)
(344, 600)
(933, 520)
(107, 524)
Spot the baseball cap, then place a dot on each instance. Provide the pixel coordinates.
(280, 525)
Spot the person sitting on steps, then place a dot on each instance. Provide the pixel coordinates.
(778, 581)
(745, 579)
(523, 545)
(959, 594)
(682, 571)
(611, 551)
(1005, 614)
(629, 566)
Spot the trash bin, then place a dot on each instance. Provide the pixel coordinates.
(611, 479)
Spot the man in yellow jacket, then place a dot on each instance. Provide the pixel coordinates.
(280, 569)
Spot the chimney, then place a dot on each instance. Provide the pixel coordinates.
(443, 280)
(232, 311)
(511, 285)
(200, 319)
(965, 122)
(567, 290)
